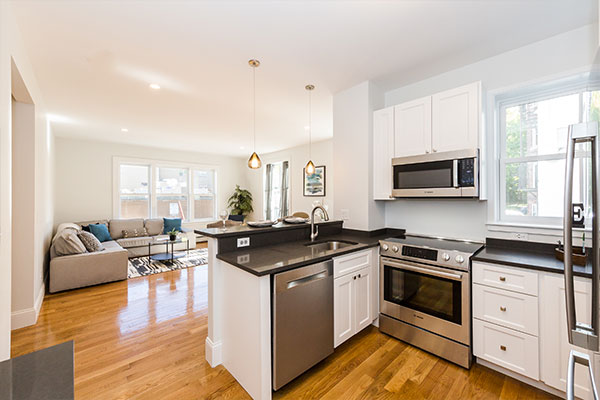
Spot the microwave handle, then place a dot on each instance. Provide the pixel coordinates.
(455, 173)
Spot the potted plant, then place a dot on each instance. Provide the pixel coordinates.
(240, 202)
(173, 234)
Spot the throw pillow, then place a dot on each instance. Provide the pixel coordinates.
(91, 243)
(100, 231)
(131, 233)
(66, 242)
(172, 223)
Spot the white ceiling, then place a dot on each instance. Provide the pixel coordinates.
(95, 59)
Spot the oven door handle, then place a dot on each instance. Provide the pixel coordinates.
(426, 271)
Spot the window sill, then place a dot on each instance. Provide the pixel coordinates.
(533, 229)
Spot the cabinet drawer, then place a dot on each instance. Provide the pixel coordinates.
(510, 309)
(352, 262)
(503, 277)
(507, 348)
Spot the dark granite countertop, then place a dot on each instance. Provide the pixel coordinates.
(267, 260)
(44, 374)
(530, 255)
(248, 230)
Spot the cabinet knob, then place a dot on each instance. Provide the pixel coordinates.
(427, 151)
(391, 196)
(502, 347)
(502, 279)
(354, 277)
(435, 150)
(502, 308)
(359, 276)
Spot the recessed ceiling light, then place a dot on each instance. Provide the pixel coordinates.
(306, 127)
(242, 147)
(154, 86)
(124, 130)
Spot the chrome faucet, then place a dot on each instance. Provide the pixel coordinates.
(314, 229)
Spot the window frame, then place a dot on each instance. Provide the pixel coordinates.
(536, 93)
(154, 165)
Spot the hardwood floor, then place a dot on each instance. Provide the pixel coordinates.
(144, 339)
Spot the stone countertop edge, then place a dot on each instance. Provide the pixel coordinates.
(364, 239)
(239, 230)
(528, 255)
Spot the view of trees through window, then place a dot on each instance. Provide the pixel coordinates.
(533, 158)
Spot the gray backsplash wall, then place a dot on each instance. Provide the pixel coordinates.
(452, 218)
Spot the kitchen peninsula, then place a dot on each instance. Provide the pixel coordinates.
(242, 264)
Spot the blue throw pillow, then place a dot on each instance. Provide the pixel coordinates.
(100, 231)
(172, 223)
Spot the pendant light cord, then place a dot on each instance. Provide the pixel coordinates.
(309, 125)
(254, 106)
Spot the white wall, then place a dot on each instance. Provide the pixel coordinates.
(322, 154)
(11, 48)
(352, 157)
(83, 182)
(556, 56)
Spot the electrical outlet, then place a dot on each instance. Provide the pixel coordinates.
(345, 214)
(243, 242)
(520, 236)
(243, 259)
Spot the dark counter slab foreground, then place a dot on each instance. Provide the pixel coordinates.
(43, 374)
(281, 257)
(530, 255)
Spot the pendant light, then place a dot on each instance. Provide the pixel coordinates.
(310, 167)
(254, 160)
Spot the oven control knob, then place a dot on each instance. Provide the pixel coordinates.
(460, 259)
(385, 247)
(395, 249)
(446, 256)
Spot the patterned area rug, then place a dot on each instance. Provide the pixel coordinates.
(143, 266)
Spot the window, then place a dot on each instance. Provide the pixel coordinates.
(276, 183)
(533, 132)
(153, 189)
(134, 191)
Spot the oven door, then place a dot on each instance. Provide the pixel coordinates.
(431, 298)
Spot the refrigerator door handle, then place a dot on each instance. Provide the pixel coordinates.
(576, 357)
(579, 334)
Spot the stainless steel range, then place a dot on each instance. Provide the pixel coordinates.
(425, 286)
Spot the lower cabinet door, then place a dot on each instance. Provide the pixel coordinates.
(555, 347)
(508, 348)
(343, 309)
(362, 296)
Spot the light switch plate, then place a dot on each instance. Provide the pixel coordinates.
(345, 214)
(243, 242)
(520, 236)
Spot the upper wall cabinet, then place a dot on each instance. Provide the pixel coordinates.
(455, 118)
(412, 130)
(383, 152)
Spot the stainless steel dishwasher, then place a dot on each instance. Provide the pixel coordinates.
(302, 317)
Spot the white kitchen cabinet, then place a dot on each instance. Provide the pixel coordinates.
(412, 127)
(352, 294)
(455, 118)
(555, 347)
(383, 152)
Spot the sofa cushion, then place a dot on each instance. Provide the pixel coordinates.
(112, 245)
(134, 242)
(66, 242)
(170, 224)
(133, 233)
(101, 232)
(117, 226)
(90, 241)
(154, 226)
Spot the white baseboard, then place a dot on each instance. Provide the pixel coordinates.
(213, 352)
(28, 316)
(519, 377)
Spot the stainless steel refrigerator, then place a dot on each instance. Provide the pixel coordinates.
(581, 335)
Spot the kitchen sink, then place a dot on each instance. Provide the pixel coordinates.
(330, 245)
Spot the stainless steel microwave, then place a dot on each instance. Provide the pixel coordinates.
(445, 174)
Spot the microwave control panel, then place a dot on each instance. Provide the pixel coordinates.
(466, 172)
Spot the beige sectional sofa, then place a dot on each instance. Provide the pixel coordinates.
(85, 269)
